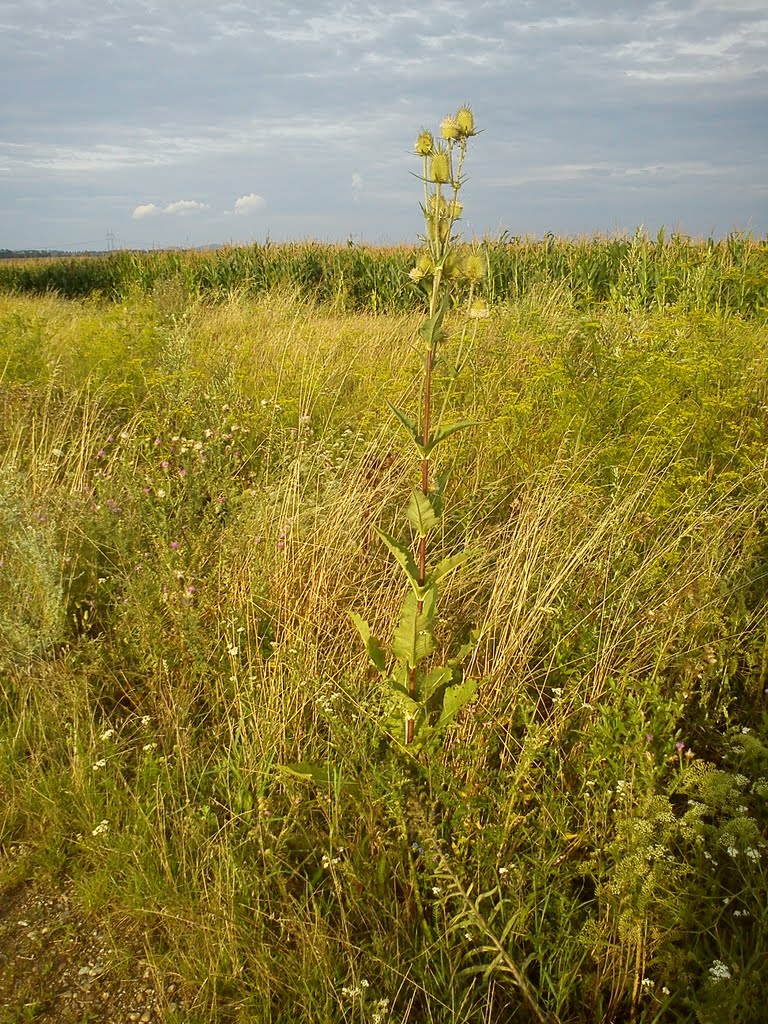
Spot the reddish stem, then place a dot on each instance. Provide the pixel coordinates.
(422, 540)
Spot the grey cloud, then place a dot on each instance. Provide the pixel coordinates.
(651, 107)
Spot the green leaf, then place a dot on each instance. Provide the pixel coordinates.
(410, 427)
(437, 497)
(402, 702)
(421, 513)
(432, 330)
(435, 679)
(403, 557)
(454, 699)
(442, 432)
(327, 777)
(308, 772)
(447, 565)
(413, 639)
(373, 648)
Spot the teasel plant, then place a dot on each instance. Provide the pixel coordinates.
(427, 696)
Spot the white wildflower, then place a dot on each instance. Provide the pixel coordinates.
(719, 971)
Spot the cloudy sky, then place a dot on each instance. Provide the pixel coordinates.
(174, 122)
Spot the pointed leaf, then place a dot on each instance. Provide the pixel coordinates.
(410, 426)
(327, 777)
(309, 772)
(437, 497)
(447, 565)
(435, 678)
(413, 639)
(403, 557)
(402, 702)
(398, 688)
(432, 330)
(442, 432)
(454, 700)
(421, 513)
(373, 648)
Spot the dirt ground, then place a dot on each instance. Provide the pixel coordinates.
(58, 966)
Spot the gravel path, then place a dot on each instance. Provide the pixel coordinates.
(59, 967)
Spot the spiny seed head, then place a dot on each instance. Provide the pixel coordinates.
(452, 268)
(425, 267)
(440, 167)
(437, 206)
(449, 128)
(465, 121)
(455, 209)
(479, 310)
(474, 267)
(425, 144)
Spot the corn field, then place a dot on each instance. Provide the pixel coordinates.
(637, 272)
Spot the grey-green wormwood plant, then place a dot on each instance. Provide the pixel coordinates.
(426, 696)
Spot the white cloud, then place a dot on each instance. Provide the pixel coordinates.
(249, 203)
(146, 210)
(185, 206)
(180, 206)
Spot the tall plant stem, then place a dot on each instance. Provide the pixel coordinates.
(425, 425)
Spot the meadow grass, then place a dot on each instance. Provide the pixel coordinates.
(188, 496)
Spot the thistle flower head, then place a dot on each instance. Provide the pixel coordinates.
(452, 268)
(474, 267)
(438, 207)
(449, 128)
(425, 144)
(465, 121)
(425, 266)
(478, 310)
(440, 167)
